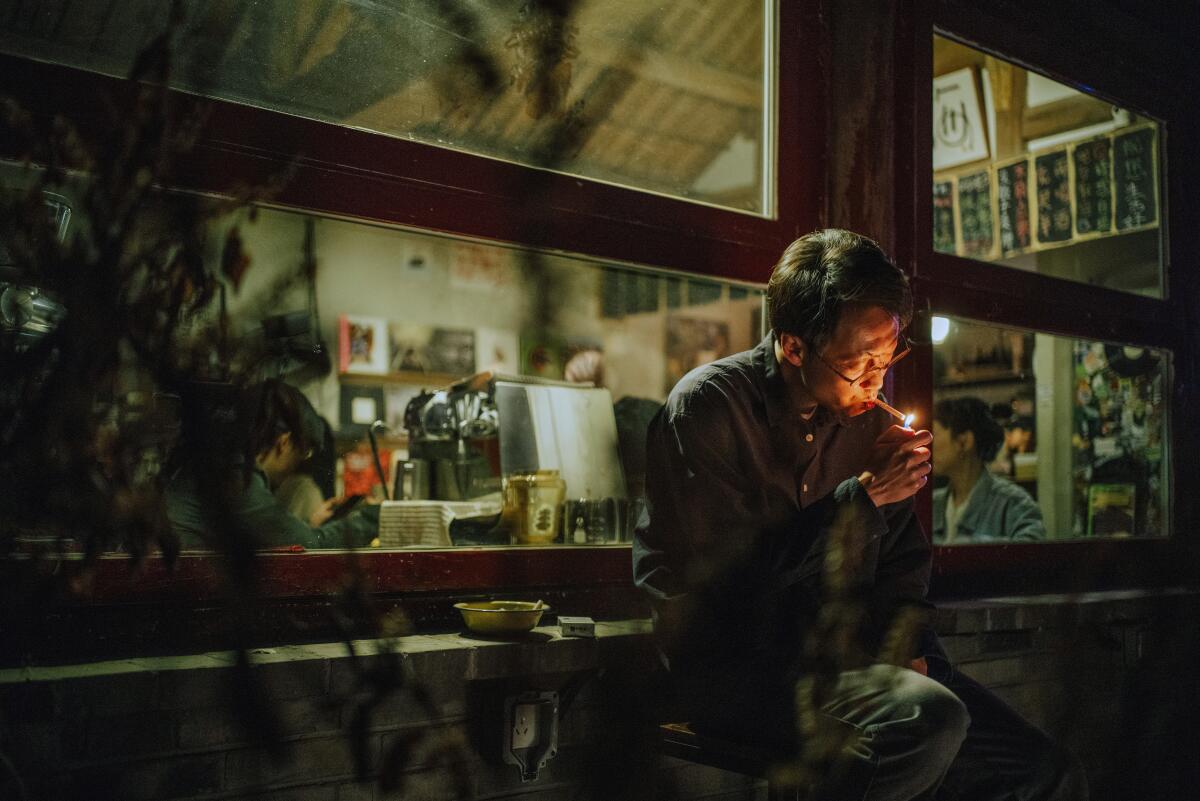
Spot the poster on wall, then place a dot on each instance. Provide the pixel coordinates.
(420, 348)
(1134, 170)
(1053, 196)
(692, 342)
(1111, 510)
(1093, 186)
(958, 130)
(975, 213)
(362, 345)
(1012, 206)
(497, 351)
(480, 267)
(943, 217)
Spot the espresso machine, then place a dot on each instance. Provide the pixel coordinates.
(539, 441)
(488, 426)
(453, 444)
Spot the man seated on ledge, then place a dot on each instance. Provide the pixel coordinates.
(277, 443)
(975, 505)
(753, 463)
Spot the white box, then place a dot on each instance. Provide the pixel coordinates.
(577, 626)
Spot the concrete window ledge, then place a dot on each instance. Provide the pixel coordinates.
(169, 727)
(543, 650)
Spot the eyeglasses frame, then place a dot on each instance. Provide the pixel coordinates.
(881, 369)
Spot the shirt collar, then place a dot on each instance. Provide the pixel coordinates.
(977, 499)
(775, 392)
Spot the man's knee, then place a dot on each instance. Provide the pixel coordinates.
(942, 716)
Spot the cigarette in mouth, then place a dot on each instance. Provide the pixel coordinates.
(894, 412)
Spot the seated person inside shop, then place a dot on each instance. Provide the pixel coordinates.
(976, 505)
(758, 464)
(278, 441)
(308, 488)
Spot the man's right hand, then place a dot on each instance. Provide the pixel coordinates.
(899, 464)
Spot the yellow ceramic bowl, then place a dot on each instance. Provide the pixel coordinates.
(500, 617)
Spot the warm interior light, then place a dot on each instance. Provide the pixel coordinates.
(939, 327)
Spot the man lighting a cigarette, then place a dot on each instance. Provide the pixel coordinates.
(780, 526)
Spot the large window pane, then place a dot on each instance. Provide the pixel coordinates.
(668, 98)
(1046, 437)
(471, 363)
(1032, 174)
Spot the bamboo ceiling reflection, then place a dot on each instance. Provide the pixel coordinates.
(637, 92)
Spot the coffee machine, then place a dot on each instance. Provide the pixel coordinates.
(453, 440)
(469, 436)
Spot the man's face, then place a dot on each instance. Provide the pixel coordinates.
(865, 338)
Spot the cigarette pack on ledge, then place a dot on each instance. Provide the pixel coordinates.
(577, 626)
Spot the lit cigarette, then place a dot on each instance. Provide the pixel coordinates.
(894, 412)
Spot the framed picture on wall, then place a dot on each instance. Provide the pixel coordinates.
(959, 136)
(362, 345)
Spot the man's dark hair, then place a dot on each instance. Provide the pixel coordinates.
(821, 272)
(971, 414)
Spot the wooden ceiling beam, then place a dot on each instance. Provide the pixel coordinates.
(675, 71)
(1063, 115)
(1008, 83)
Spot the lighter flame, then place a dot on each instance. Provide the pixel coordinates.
(908, 420)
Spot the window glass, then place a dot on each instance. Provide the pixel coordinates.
(1040, 437)
(1032, 174)
(508, 392)
(671, 98)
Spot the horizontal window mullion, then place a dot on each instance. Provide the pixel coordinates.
(346, 172)
(961, 287)
(1035, 42)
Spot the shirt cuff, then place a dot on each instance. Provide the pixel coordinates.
(852, 493)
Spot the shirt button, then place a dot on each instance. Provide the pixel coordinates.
(808, 437)
(804, 488)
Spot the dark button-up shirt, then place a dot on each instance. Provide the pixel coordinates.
(741, 495)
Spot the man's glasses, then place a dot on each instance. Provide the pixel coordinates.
(905, 347)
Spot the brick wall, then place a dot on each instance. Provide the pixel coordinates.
(161, 728)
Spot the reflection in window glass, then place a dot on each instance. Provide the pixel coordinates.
(1032, 174)
(412, 314)
(508, 391)
(668, 98)
(1039, 437)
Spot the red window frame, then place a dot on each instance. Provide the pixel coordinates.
(373, 177)
(957, 286)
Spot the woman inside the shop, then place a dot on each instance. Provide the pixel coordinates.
(280, 436)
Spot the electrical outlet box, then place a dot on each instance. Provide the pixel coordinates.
(530, 731)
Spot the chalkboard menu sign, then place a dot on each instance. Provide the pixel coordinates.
(1012, 204)
(943, 216)
(1093, 180)
(975, 209)
(1053, 197)
(1133, 166)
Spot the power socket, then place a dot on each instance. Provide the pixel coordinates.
(524, 725)
(530, 731)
